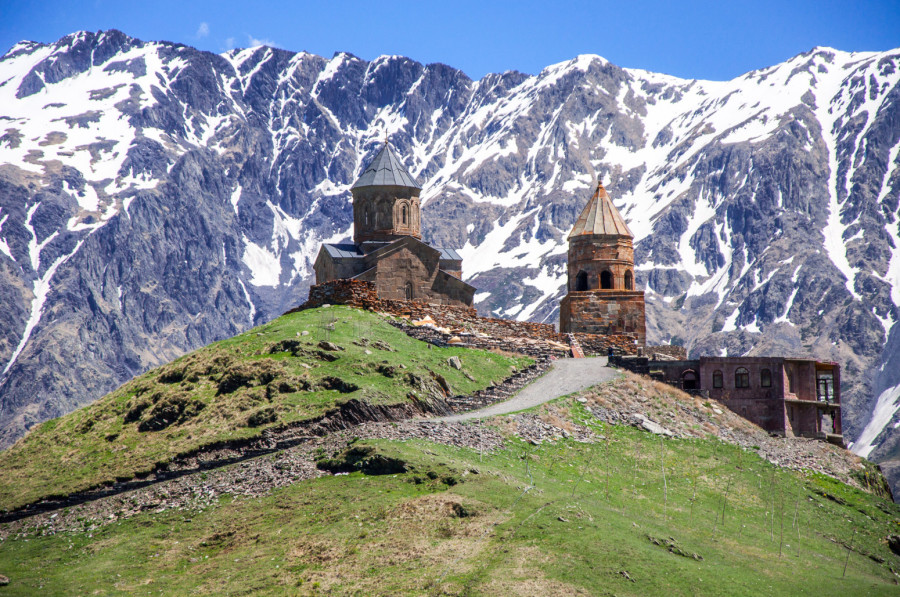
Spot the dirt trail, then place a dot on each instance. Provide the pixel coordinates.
(566, 376)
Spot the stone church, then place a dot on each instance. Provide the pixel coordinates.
(387, 247)
(601, 296)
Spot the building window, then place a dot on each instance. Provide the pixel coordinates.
(606, 280)
(765, 378)
(409, 291)
(790, 375)
(404, 216)
(629, 280)
(741, 378)
(718, 379)
(581, 281)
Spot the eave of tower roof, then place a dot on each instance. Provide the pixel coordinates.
(386, 170)
(600, 216)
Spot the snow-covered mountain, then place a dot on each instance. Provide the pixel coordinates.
(154, 198)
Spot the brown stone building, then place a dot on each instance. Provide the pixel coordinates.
(601, 296)
(792, 397)
(387, 249)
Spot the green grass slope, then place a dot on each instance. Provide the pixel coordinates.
(626, 514)
(270, 376)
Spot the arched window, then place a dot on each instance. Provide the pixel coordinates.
(581, 281)
(718, 379)
(765, 378)
(370, 216)
(404, 216)
(629, 280)
(689, 380)
(409, 291)
(606, 280)
(741, 378)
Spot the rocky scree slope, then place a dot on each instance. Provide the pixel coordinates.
(154, 198)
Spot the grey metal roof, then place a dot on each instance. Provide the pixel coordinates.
(343, 251)
(351, 251)
(386, 169)
(449, 254)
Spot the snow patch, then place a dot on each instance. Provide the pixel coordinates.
(886, 405)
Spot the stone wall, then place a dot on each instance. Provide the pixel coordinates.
(596, 253)
(464, 321)
(603, 312)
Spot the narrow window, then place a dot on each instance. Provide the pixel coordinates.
(629, 280)
(581, 281)
(717, 379)
(741, 378)
(404, 215)
(409, 291)
(765, 378)
(606, 280)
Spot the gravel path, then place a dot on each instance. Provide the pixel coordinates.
(566, 376)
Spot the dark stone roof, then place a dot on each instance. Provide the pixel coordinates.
(386, 170)
(351, 251)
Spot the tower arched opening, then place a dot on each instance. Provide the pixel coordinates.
(581, 281)
(606, 280)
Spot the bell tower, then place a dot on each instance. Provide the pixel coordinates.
(601, 296)
(385, 201)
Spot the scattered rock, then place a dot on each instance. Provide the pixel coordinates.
(329, 346)
(455, 363)
(561, 519)
(4, 580)
(304, 333)
(382, 345)
(672, 545)
(648, 425)
(893, 542)
(625, 574)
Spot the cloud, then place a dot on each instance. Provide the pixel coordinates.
(202, 30)
(229, 43)
(254, 42)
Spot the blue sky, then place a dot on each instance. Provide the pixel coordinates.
(702, 39)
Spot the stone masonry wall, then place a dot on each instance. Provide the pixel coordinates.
(460, 319)
(604, 313)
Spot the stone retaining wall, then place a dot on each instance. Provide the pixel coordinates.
(461, 319)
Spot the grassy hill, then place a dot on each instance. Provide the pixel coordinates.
(620, 511)
(272, 376)
(551, 501)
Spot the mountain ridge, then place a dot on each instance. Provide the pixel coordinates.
(156, 198)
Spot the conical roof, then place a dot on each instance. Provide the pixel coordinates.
(386, 170)
(600, 216)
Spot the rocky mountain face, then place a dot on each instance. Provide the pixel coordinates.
(154, 198)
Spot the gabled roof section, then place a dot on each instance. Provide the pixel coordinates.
(386, 170)
(600, 216)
